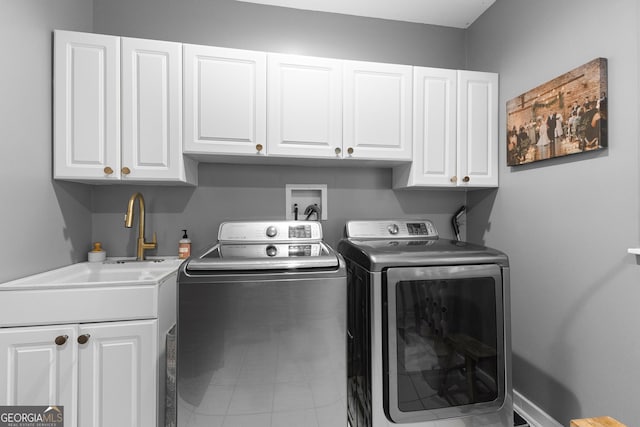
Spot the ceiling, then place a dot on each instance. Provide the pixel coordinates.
(448, 13)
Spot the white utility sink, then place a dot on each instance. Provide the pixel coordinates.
(116, 289)
(113, 271)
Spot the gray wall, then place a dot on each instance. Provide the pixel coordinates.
(566, 224)
(250, 192)
(230, 23)
(43, 224)
(228, 192)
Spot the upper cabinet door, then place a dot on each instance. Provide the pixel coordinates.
(477, 129)
(224, 100)
(377, 110)
(305, 106)
(434, 131)
(151, 110)
(86, 106)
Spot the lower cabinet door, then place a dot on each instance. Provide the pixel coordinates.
(117, 374)
(38, 367)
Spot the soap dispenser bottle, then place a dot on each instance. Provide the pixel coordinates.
(184, 246)
(97, 254)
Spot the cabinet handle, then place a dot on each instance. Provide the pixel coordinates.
(82, 339)
(126, 171)
(61, 339)
(454, 179)
(108, 170)
(259, 147)
(350, 150)
(466, 179)
(338, 150)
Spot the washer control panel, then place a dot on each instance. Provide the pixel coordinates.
(397, 229)
(265, 231)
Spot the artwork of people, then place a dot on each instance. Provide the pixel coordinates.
(564, 116)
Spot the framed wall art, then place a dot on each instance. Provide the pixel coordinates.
(565, 116)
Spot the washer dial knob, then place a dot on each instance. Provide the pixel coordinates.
(393, 229)
(272, 231)
(272, 251)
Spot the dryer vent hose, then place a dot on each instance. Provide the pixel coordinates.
(455, 221)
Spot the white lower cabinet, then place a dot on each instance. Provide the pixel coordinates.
(98, 349)
(104, 374)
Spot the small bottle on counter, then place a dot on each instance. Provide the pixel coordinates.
(97, 254)
(184, 246)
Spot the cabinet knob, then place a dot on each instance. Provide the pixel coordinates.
(126, 171)
(259, 147)
(350, 150)
(108, 170)
(466, 179)
(338, 150)
(82, 339)
(453, 179)
(61, 339)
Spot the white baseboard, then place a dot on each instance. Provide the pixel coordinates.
(532, 413)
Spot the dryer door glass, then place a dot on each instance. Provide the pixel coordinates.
(444, 342)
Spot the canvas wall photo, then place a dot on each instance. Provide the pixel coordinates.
(566, 115)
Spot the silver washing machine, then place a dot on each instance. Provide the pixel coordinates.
(261, 331)
(429, 328)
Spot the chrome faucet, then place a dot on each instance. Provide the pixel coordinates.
(128, 222)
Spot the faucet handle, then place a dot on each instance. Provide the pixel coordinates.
(154, 240)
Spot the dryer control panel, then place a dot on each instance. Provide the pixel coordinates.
(397, 229)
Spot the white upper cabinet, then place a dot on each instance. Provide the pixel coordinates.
(434, 130)
(477, 129)
(95, 140)
(86, 106)
(133, 110)
(455, 123)
(377, 110)
(305, 106)
(225, 98)
(151, 110)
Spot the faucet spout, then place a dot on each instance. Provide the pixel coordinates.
(142, 245)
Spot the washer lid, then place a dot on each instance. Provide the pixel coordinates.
(265, 256)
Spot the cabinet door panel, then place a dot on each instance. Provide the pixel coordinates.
(34, 370)
(86, 106)
(224, 100)
(477, 129)
(117, 372)
(305, 106)
(151, 110)
(378, 110)
(434, 130)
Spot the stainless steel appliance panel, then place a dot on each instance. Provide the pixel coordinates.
(262, 350)
(395, 270)
(443, 342)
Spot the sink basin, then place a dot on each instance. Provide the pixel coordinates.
(117, 271)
